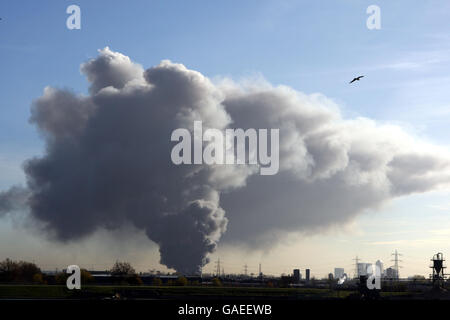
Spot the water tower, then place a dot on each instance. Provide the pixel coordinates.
(438, 267)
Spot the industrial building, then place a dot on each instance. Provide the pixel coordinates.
(391, 273)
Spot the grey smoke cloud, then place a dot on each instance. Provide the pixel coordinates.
(331, 169)
(13, 199)
(107, 161)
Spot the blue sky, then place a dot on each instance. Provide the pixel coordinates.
(312, 46)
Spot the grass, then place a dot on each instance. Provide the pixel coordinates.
(172, 292)
(33, 291)
(55, 292)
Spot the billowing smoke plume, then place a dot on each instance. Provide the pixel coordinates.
(107, 161)
(108, 158)
(331, 169)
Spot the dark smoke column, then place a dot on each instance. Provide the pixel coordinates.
(107, 159)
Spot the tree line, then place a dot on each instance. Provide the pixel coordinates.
(122, 273)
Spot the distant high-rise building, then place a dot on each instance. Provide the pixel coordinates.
(297, 275)
(362, 268)
(338, 273)
(307, 274)
(330, 276)
(379, 264)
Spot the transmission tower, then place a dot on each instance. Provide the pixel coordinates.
(245, 269)
(218, 267)
(396, 265)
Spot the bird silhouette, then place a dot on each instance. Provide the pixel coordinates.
(356, 79)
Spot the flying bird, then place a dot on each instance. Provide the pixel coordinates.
(356, 79)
